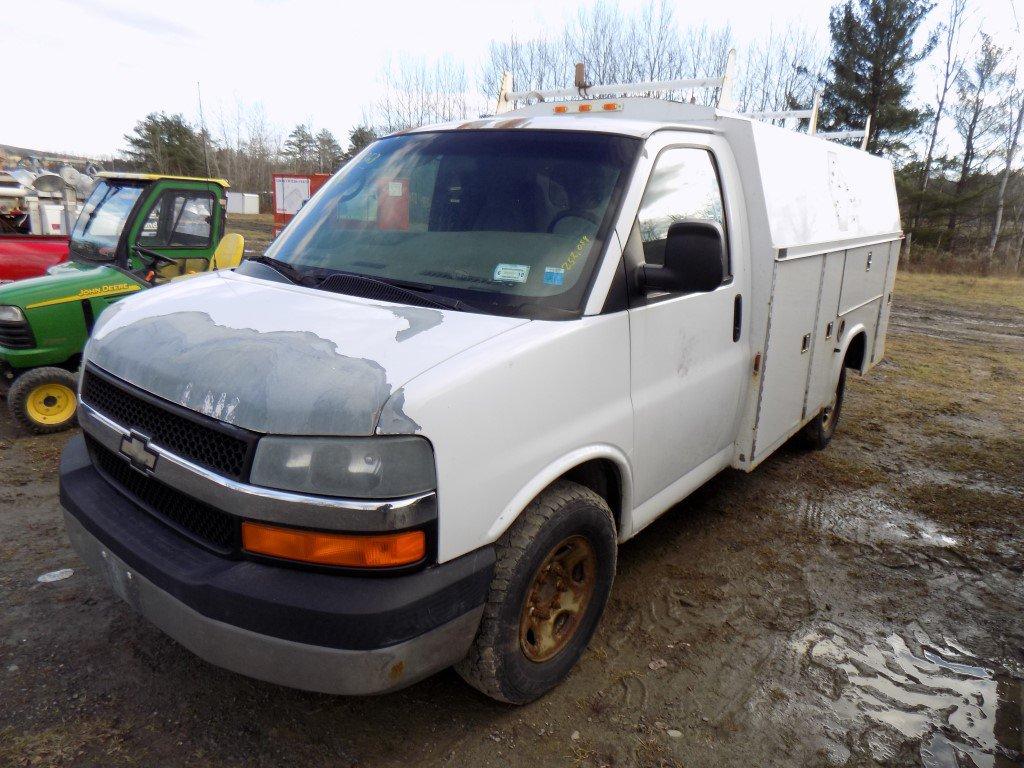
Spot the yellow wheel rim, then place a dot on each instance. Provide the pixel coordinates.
(51, 404)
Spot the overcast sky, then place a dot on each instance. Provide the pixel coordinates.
(89, 69)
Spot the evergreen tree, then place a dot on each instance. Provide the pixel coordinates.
(300, 149)
(163, 143)
(871, 68)
(359, 138)
(329, 155)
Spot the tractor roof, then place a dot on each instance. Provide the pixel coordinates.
(158, 176)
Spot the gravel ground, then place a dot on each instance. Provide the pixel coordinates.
(859, 606)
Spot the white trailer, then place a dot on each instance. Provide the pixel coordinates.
(481, 357)
(243, 202)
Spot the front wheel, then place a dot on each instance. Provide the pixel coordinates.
(43, 400)
(819, 430)
(554, 570)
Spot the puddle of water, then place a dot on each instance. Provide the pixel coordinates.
(964, 713)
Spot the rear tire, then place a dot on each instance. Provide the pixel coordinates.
(818, 432)
(43, 400)
(554, 570)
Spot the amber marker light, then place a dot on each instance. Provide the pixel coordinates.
(386, 550)
(585, 107)
(561, 109)
(611, 106)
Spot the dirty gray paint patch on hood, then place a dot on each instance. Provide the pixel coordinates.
(393, 418)
(285, 382)
(419, 320)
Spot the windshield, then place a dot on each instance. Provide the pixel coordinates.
(509, 222)
(99, 225)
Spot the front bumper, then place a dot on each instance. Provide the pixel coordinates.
(313, 630)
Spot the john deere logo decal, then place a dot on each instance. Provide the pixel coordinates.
(115, 289)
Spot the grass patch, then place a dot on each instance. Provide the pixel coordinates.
(967, 291)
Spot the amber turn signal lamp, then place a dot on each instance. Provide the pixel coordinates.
(386, 550)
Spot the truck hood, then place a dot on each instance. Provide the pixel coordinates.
(278, 358)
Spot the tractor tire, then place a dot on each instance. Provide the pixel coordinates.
(554, 570)
(43, 400)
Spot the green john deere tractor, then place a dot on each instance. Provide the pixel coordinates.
(135, 231)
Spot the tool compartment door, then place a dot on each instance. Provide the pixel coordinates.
(787, 358)
(886, 306)
(824, 373)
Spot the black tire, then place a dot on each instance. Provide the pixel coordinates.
(29, 409)
(498, 663)
(818, 432)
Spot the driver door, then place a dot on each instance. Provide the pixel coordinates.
(688, 361)
(179, 224)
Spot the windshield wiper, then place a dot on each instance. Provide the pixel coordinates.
(387, 289)
(283, 268)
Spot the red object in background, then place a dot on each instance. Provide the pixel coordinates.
(393, 205)
(289, 190)
(23, 256)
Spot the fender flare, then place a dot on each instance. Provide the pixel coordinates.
(844, 346)
(555, 470)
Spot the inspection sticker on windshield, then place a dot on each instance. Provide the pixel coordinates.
(511, 273)
(554, 275)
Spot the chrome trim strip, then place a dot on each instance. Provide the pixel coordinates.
(267, 504)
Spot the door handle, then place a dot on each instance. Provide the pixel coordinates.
(737, 317)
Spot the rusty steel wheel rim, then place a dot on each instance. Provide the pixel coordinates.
(557, 599)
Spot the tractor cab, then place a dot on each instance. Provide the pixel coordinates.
(156, 227)
(136, 230)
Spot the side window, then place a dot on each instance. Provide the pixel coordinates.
(178, 220)
(684, 185)
(191, 220)
(150, 233)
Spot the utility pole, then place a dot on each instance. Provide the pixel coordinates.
(202, 127)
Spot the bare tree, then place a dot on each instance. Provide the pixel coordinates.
(1015, 120)
(416, 92)
(952, 67)
(976, 117)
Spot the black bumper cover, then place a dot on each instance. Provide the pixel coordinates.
(316, 608)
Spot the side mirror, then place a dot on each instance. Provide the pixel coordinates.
(694, 260)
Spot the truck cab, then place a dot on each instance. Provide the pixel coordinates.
(482, 357)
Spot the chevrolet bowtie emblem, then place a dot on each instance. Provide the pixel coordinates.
(136, 447)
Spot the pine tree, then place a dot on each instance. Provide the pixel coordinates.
(871, 69)
(163, 143)
(329, 154)
(300, 149)
(359, 138)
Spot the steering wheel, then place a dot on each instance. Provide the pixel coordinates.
(154, 257)
(572, 213)
(154, 260)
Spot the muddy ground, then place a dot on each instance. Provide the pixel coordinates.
(861, 606)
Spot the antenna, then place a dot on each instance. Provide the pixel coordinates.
(202, 126)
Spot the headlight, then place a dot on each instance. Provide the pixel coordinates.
(351, 467)
(11, 314)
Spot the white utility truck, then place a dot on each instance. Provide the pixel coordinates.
(483, 356)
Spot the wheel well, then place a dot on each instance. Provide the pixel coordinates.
(602, 477)
(856, 351)
(73, 363)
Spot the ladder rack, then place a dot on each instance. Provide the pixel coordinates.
(584, 90)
